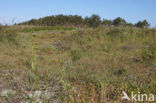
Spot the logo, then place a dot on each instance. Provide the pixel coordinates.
(138, 97)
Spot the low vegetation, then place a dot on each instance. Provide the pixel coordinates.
(75, 65)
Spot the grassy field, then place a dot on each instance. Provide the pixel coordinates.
(75, 65)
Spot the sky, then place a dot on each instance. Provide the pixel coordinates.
(12, 11)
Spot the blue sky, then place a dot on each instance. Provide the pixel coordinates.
(130, 10)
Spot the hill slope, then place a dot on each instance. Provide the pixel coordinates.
(65, 64)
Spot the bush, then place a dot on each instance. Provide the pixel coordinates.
(8, 37)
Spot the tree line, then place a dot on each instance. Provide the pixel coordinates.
(75, 20)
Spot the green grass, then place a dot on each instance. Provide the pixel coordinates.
(82, 65)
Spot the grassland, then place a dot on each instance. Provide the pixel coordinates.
(75, 65)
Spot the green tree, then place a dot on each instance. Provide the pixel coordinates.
(142, 24)
(93, 21)
(119, 22)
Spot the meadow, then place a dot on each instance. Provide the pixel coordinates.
(75, 65)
